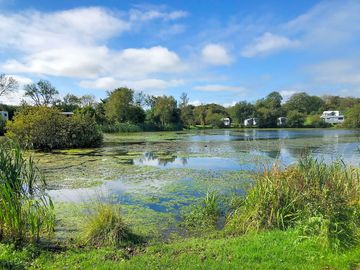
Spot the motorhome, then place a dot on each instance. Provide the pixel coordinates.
(332, 117)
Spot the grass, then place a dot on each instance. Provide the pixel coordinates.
(265, 250)
(320, 200)
(104, 226)
(25, 209)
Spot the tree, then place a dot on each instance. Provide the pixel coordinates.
(200, 114)
(184, 100)
(295, 119)
(165, 110)
(120, 107)
(42, 93)
(269, 109)
(304, 103)
(241, 111)
(187, 115)
(7, 84)
(87, 100)
(352, 117)
(69, 103)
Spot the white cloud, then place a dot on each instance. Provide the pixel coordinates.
(218, 87)
(72, 43)
(229, 104)
(33, 31)
(15, 98)
(322, 27)
(215, 54)
(109, 83)
(147, 15)
(195, 102)
(268, 43)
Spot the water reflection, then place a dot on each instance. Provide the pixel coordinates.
(200, 163)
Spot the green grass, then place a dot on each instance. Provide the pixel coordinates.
(321, 200)
(266, 250)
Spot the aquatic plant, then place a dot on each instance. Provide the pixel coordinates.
(205, 214)
(25, 209)
(318, 199)
(104, 226)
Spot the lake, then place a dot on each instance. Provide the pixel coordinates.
(163, 172)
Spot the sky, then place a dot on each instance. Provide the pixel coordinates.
(221, 51)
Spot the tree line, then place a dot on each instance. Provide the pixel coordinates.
(126, 110)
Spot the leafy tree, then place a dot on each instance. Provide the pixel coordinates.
(269, 109)
(352, 117)
(42, 93)
(304, 103)
(166, 111)
(200, 114)
(241, 111)
(7, 84)
(295, 119)
(184, 100)
(69, 103)
(187, 115)
(120, 107)
(87, 100)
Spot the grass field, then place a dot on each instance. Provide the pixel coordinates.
(266, 250)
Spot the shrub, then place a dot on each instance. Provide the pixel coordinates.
(25, 209)
(121, 127)
(295, 119)
(45, 128)
(104, 226)
(316, 122)
(320, 200)
(205, 215)
(352, 117)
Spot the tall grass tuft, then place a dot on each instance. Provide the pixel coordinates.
(205, 215)
(104, 226)
(25, 209)
(320, 200)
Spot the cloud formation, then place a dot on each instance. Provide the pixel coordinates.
(218, 87)
(215, 54)
(268, 43)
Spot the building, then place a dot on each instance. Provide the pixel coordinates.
(281, 121)
(226, 121)
(332, 117)
(250, 122)
(4, 115)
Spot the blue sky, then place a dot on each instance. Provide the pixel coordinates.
(215, 51)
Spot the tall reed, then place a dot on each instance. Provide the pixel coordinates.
(25, 209)
(320, 200)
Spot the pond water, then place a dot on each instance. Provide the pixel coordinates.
(164, 172)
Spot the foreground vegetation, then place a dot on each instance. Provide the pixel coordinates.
(304, 216)
(266, 250)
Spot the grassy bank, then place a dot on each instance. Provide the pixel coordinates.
(266, 250)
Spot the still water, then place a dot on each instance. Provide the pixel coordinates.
(166, 174)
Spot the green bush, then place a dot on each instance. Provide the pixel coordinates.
(315, 121)
(320, 200)
(352, 117)
(121, 127)
(104, 226)
(25, 209)
(46, 128)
